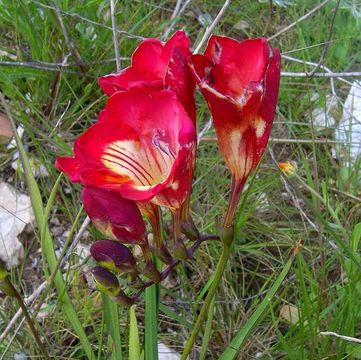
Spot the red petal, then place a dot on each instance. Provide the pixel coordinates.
(70, 166)
(110, 209)
(220, 49)
(271, 85)
(148, 57)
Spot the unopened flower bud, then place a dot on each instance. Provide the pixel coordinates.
(150, 271)
(106, 281)
(123, 300)
(162, 253)
(114, 216)
(180, 250)
(190, 230)
(226, 234)
(114, 256)
(288, 168)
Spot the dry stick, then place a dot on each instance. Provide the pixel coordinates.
(304, 17)
(211, 27)
(43, 65)
(343, 337)
(176, 9)
(332, 81)
(27, 301)
(115, 34)
(77, 238)
(32, 297)
(47, 284)
(12, 292)
(172, 24)
(39, 66)
(75, 15)
(319, 74)
(327, 46)
(270, 17)
(68, 41)
(292, 141)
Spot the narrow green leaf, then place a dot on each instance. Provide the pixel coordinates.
(172, 314)
(236, 344)
(111, 317)
(204, 290)
(207, 331)
(134, 346)
(151, 323)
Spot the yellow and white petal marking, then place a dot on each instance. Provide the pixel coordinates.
(260, 126)
(145, 165)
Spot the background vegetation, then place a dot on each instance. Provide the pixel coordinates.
(51, 54)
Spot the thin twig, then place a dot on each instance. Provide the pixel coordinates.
(27, 301)
(332, 81)
(68, 40)
(211, 27)
(343, 337)
(304, 17)
(174, 20)
(38, 66)
(176, 9)
(270, 16)
(77, 238)
(65, 13)
(327, 46)
(205, 128)
(115, 34)
(319, 74)
(32, 297)
(292, 141)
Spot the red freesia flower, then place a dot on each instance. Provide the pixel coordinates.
(156, 66)
(114, 216)
(142, 148)
(240, 82)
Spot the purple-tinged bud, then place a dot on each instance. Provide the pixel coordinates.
(150, 271)
(189, 229)
(114, 216)
(162, 253)
(180, 251)
(105, 281)
(114, 256)
(123, 300)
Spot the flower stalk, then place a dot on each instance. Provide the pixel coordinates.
(221, 266)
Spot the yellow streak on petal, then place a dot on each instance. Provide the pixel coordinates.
(260, 127)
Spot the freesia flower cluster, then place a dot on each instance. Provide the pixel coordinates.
(139, 157)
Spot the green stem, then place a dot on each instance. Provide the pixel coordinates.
(221, 266)
(29, 320)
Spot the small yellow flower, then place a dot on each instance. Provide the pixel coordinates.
(288, 168)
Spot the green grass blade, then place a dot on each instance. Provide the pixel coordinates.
(111, 317)
(134, 346)
(236, 344)
(151, 323)
(173, 315)
(207, 332)
(47, 243)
